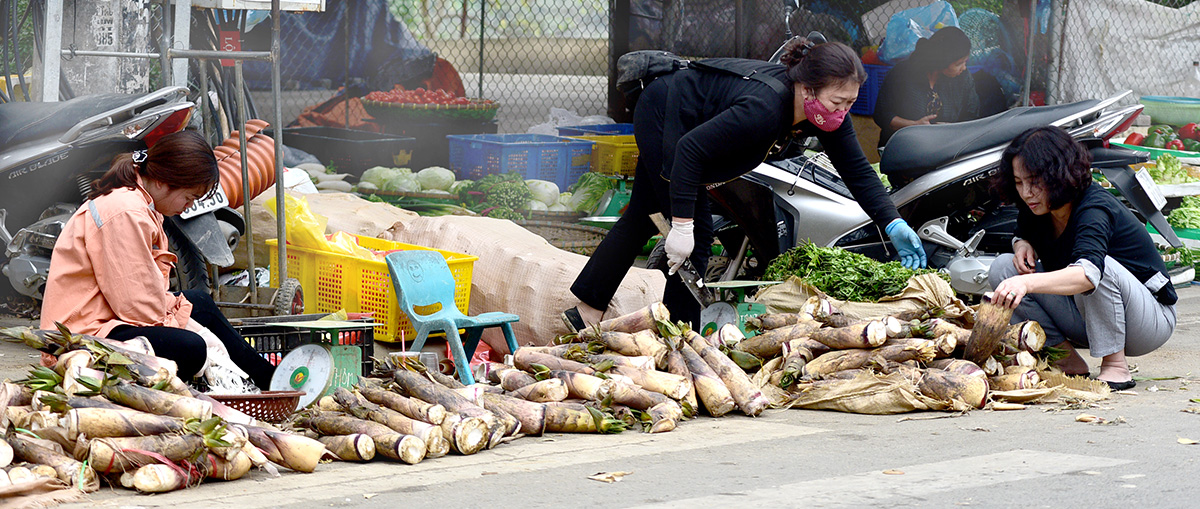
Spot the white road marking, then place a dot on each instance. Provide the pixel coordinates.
(870, 488)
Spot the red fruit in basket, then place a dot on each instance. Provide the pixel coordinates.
(1135, 139)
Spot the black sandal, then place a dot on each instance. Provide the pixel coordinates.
(1121, 386)
(573, 320)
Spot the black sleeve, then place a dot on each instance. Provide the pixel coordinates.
(847, 156)
(970, 98)
(885, 102)
(738, 132)
(1093, 230)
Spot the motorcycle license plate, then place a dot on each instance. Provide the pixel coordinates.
(203, 205)
(1152, 191)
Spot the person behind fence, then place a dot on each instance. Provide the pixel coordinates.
(1082, 265)
(932, 85)
(109, 272)
(696, 127)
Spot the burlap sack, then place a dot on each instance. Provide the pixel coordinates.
(520, 272)
(926, 291)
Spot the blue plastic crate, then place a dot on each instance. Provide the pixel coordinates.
(534, 156)
(596, 130)
(869, 91)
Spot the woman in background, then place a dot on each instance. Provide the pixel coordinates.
(931, 86)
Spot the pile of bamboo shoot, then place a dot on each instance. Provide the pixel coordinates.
(643, 369)
(820, 346)
(113, 411)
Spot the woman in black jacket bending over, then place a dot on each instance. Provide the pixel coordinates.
(696, 127)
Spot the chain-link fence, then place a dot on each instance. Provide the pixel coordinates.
(533, 55)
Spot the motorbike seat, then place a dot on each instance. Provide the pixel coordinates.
(23, 122)
(916, 150)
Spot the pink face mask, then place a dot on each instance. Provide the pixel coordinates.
(820, 116)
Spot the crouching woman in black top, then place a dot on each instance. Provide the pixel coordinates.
(696, 127)
(1082, 266)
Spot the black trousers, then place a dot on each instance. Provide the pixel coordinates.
(187, 348)
(602, 275)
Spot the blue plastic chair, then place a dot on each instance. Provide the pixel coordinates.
(421, 279)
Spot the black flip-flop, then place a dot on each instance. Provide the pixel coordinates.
(1121, 386)
(573, 320)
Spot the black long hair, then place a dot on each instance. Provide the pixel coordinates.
(1054, 161)
(819, 65)
(179, 160)
(941, 49)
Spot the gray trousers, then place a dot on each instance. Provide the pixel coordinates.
(1120, 314)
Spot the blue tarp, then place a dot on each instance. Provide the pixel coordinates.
(313, 44)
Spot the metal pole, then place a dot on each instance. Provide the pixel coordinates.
(205, 127)
(214, 55)
(277, 122)
(346, 76)
(482, 11)
(101, 53)
(1029, 53)
(164, 43)
(52, 46)
(182, 40)
(239, 82)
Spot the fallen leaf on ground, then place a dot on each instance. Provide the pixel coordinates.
(489, 473)
(1192, 410)
(1089, 418)
(893, 472)
(608, 477)
(1187, 441)
(369, 496)
(1007, 406)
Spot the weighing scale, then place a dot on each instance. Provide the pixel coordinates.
(717, 314)
(318, 369)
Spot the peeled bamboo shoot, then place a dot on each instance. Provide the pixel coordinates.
(859, 335)
(770, 344)
(353, 447)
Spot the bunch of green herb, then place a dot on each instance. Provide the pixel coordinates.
(492, 193)
(842, 274)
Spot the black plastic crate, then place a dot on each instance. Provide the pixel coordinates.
(349, 150)
(274, 341)
(431, 138)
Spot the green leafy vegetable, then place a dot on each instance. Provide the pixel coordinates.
(587, 192)
(1168, 170)
(842, 274)
(1185, 217)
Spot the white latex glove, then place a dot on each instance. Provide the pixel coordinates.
(680, 244)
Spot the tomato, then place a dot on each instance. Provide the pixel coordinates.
(1135, 139)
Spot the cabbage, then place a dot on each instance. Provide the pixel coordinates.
(558, 207)
(535, 205)
(437, 192)
(543, 191)
(402, 183)
(564, 199)
(588, 192)
(435, 177)
(367, 187)
(379, 175)
(459, 184)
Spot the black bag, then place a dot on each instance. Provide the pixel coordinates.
(636, 69)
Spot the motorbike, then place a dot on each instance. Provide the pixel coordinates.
(50, 153)
(943, 174)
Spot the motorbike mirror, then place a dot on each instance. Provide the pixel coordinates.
(816, 37)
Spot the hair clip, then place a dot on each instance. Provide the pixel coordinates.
(139, 156)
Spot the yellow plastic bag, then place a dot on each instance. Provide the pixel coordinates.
(307, 229)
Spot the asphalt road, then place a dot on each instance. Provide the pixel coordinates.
(1038, 457)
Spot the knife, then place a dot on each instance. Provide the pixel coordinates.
(691, 278)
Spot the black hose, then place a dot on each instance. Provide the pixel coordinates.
(4, 26)
(16, 49)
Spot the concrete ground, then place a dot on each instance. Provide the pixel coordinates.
(1038, 457)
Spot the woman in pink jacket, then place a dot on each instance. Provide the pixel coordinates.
(110, 268)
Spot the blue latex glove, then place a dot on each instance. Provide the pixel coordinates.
(912, 255)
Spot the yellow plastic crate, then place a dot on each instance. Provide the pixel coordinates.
(613, 155)
(334, 281)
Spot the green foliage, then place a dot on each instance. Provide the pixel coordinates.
(1168, 169)
(842, 274)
